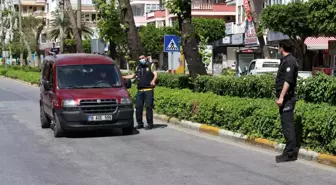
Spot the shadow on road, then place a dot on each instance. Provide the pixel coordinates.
(98, 133)
(160, 126)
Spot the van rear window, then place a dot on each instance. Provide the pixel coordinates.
(270, 65)
(88, 76)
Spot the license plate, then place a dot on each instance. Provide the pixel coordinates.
(100, 118)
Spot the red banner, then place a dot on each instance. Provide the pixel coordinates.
(247, 10)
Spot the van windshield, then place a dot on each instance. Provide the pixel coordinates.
(88, 76)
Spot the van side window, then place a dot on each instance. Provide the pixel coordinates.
(50, 76)
(45, 70)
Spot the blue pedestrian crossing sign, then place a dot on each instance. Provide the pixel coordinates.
(171, 43)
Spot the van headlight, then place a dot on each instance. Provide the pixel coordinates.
(125, 101)
(69, 103)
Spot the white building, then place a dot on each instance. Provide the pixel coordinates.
(89, 16)
(141, 8)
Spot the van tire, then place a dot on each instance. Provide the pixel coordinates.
(58, 130)
(129, 130)
(45, 121)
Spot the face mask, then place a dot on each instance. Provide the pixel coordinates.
(280, 54)
(142, 61)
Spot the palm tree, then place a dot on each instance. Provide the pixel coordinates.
(56, 23)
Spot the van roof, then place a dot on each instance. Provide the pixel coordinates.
(81, 58)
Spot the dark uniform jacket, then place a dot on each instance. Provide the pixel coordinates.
(287, 72)
(145, 75)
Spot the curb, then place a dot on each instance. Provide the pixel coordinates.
(264, 143)
(32, 84)
(211, 130)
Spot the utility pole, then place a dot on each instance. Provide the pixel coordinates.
(20, 30)
(61, 29)
(79, 17)
(2, 30)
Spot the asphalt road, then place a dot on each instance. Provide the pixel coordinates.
(30, 155)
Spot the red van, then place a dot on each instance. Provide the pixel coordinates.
(84, 91)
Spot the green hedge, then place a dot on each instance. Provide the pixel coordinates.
(320, 88)
(317, 89)
(253, 117)
(22, 68)
(28, 75)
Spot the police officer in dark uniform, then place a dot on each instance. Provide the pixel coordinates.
(286, 81)
(146, 77)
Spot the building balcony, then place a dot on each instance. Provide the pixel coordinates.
(36, 14)
(218, 7)
(33, 3)
(233, 28)
(91, 24)
(219, 10)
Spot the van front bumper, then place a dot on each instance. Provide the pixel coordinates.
(76, 119)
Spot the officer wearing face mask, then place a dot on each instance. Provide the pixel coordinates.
(146, 77)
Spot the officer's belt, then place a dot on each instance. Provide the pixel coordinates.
(145, 89)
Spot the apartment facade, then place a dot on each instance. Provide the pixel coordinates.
(200, 8)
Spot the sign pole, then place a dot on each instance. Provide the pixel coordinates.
(172, 62)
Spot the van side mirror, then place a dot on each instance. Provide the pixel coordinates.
(128, 83)
(46, 85)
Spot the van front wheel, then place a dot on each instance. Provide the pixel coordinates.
(129, 130)
(58, 131)
(45, 121)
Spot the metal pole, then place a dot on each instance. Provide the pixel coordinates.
(61, 29)
(79, 17)
(172, 62)
(2, 30)
(20, 30)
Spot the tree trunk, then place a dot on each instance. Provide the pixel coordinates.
(74, 27)
(26, 43)
(133, 40)
(189, 43)
(254, 5)
(37, 36)
(112, 49)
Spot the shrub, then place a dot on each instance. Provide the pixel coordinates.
(253, 117)
(28, 76)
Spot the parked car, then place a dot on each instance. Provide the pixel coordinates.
(84, 91)
(262, 66)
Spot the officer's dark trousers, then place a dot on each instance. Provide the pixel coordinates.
(288, 126)
(147, 98)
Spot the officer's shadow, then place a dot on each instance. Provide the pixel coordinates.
(160, 126)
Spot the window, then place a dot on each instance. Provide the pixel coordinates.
(43, 38)
(138, 10)
(270, 65)
(93, 17)
(252, 66)
(50, 76)
(45, 70)
(88, 76)
(152, 7)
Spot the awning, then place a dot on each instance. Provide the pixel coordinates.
(318, 43)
